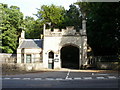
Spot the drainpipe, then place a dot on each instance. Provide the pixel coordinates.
(44, 26)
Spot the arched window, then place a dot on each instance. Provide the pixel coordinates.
(51, 54)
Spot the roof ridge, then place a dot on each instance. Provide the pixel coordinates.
(31, 39)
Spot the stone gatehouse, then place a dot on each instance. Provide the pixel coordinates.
(64, 48)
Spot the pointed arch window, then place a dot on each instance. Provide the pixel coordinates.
(51, 54)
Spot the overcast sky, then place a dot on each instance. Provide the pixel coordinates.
(28, 7)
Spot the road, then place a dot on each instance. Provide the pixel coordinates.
(62, 79)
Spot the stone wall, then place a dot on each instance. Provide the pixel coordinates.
(8, 61)
(8, 58)
(108, 65)
(22, 67)
(30, 66)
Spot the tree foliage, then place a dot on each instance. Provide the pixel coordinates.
(52, 13)
(11, 21)
(73, 17)
(33, 28)
(103, 26)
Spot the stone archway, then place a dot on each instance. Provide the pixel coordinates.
(70, 57)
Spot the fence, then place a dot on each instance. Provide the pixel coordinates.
(105, 62)
(95, 59)
(113, 58)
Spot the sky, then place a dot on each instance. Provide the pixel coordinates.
(28, 7)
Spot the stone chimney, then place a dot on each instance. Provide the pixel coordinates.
(23, 34)
(21, 39)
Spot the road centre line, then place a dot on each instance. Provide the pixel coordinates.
(111, 77)
(100, 77)
(87, 77)
(59, 79)
(16, 78)
(68, 79)
(49, 78)
(78, 78)
(37, 78)
(26, 78)
(6, 78)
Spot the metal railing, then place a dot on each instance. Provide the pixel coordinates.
(95, 59)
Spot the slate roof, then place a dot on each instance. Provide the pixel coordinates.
(32, 43)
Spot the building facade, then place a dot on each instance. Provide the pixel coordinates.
(64, 48)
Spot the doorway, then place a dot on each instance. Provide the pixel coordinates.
(70, 57)
(51, 60)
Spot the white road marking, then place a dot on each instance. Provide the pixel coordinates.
(100, 74)
(49, 78)
(111, 77)
(6, 78)
(26, 78)
(77, 78)
(67, 74)
(100, 77)
(37, 78)
(16, 78)
(87, 77)
(59, 79)
(68, 79)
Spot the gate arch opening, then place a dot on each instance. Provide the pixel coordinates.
(70, 57)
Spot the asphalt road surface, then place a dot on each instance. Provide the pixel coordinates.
(62, 79)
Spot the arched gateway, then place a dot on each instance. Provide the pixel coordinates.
(68, 45)
(70, 57)
(64, 48)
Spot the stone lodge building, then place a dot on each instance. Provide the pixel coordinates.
(58, 49)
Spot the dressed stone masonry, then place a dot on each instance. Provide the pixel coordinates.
(47, 51)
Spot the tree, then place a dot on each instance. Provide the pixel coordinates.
(73, 17)
(52, 13)
(33, 27)
(103, 25)
(11, 21)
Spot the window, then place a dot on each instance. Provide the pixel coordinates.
(51, 55)
(22, 58)
(28, 58)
